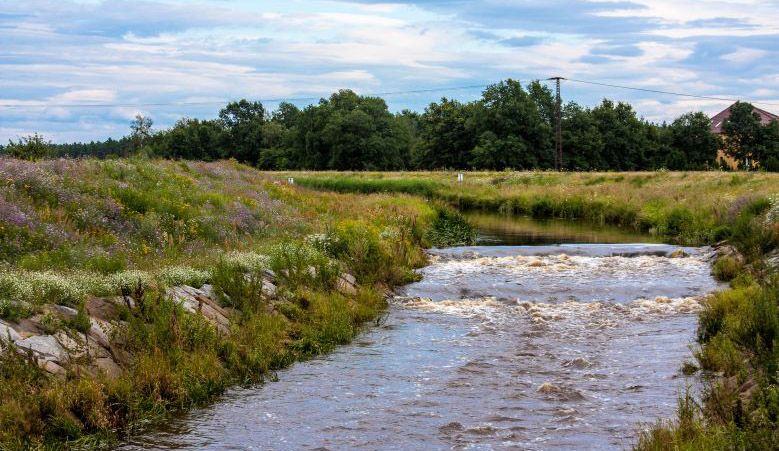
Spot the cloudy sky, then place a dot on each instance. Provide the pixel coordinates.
(55, 54)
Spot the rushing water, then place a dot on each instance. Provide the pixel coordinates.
(498, 347)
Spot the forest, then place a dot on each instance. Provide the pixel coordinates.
(510, 127)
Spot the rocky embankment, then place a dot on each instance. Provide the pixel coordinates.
(101, 348)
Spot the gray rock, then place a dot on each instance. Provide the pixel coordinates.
(345, 287)
(349, 278)
(44, 346)
(66, 312)
(8, 333)
(268, 288)
(772, 259)
(53, 368)
(208, 291)
(100, 332)
(109, 367)
(197, 301)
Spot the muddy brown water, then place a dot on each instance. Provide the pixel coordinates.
(543, 346)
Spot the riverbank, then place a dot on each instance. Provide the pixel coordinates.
(689, 208)
(132, 287)
(738, 348)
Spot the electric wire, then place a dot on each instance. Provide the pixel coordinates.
(377, 94)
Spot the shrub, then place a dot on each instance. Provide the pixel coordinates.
(358, 245)
(726, 269)
(81, 321)
(32, 148)
(301, 264)
(183, 275)
(450, 228)
(237, 288)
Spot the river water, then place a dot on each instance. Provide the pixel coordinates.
(543, 346)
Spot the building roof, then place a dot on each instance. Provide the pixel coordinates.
(719, 119)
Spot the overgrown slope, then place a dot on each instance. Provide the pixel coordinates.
(107, 257)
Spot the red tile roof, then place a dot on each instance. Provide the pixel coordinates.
(718, 120)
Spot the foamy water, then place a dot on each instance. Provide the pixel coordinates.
(552, 347)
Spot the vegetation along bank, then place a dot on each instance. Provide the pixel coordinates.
(132, 287)
(691, 208)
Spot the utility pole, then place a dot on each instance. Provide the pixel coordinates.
(558, 136)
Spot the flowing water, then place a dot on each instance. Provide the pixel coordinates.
(571, 346)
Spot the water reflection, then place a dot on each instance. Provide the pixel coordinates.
(510, 230)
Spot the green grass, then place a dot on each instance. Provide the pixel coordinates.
(682, 207)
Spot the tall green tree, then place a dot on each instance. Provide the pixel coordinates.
(510, 128)
(624, 141)
(582, 141)
(244, 121)
(743, 133)
(692, 138)
(445, 140)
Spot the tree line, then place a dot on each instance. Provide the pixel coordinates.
(510, 127)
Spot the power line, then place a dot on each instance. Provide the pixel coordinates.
(222, 102)
(657, 91)
(388, 93)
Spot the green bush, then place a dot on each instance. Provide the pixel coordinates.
(234, 287)
(32, 148)
(726, 269)
(357, 244)
(301, 264)
(450, 228)
(81, 321)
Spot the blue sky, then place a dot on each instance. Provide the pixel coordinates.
(66, 52)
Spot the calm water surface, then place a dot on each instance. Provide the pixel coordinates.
(567, 346)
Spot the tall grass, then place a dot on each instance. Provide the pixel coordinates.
(685, 207)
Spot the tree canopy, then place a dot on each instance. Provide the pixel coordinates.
(510, 127)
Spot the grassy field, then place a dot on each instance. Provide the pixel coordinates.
(681, 207)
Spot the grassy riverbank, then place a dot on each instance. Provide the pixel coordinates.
(683, 207)
(77, 234)
(738, 348)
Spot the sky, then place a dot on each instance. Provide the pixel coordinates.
(170, 59)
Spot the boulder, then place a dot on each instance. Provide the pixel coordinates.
(45, 347)
(100, 332)
(53, 368)
(345, 287)
(268, 288)
(197, 301)
(65, 312)
(7, 333)
(109, 367)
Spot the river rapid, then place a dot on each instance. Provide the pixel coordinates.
(572, 346)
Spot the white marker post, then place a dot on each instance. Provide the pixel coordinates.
(291, 181)
(460, 177)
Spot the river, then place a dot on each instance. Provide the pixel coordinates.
(542, 336)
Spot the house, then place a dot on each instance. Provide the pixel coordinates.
(718, 120)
